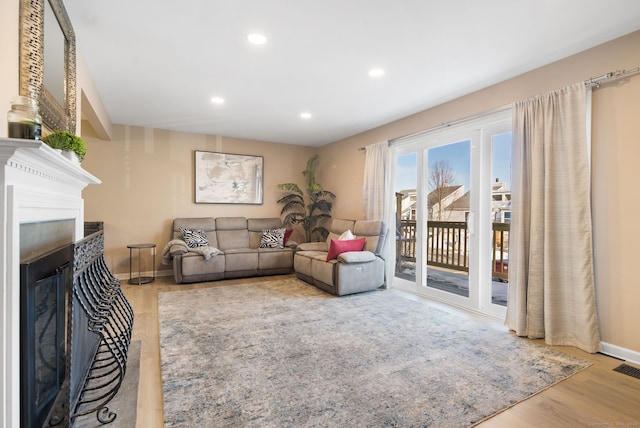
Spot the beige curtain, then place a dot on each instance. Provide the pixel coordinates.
(375, 166)
(551, 280)
(377, 195)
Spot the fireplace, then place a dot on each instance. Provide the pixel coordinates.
(37, 186)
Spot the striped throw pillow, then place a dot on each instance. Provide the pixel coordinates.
(194, 237)
(272, 238)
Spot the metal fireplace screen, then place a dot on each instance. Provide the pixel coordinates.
(102, 320)
(99, 321)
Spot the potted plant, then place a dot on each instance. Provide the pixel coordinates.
(307, 215)
(66, 142)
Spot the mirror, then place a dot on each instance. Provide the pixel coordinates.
(48, 62)
(54, 47)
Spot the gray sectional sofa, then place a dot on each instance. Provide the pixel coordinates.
(237, 240)
(350, 272)
(233, 250)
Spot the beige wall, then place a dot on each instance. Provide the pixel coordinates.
(616, 204)
(148, 180)
(89, 104)
(615, 167)
(9, 52)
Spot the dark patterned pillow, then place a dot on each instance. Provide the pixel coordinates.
(194, 237)
(272, 238)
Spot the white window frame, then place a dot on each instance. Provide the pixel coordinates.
(479, 130)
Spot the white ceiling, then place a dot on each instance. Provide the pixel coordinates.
(157, 63)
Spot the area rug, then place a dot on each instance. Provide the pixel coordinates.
(281, 353)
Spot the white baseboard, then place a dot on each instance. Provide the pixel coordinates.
(164, 273)
(620, 352)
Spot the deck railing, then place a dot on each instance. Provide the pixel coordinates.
(448, 245)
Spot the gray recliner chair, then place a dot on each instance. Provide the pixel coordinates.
(350, 272)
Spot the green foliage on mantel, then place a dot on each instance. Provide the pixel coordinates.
(66, 141)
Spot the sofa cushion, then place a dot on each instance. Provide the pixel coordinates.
(194, 237)
(375, 231)
(275, 258)
(313, 246)
(241, 259)
(207, 224)
(232, 233)
(302, 259)
(231, 223)
(272, 238)
(338, 247)
(257, 225)
(338, 227)
(195, 264)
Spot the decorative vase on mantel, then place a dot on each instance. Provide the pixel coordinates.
(23, 119)
(71, 155)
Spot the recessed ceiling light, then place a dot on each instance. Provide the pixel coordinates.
(305, 115)
(217, 100)
(257, 39)
(376, 72)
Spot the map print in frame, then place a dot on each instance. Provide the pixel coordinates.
(224, 178)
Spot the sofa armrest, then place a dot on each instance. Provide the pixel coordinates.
(313, 246)
(356, 257)
(176, 250)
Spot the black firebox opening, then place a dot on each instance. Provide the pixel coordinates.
(44, 284)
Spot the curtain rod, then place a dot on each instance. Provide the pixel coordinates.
(448, 124)
(595, 81)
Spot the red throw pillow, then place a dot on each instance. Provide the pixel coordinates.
(338, 247)
(287, 235)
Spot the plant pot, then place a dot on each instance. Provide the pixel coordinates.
(71, 155)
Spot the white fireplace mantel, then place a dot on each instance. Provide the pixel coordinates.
(37, 184)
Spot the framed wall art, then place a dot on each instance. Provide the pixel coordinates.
(224, 178)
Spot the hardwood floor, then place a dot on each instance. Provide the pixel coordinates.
(595, 397)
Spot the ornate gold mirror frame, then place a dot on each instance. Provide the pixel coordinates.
(55, 115)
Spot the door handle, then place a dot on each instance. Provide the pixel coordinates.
(470, 223)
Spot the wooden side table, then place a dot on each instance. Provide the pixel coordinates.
(141, 279)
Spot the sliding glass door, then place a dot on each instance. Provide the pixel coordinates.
(448, 173)
(452, 214)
